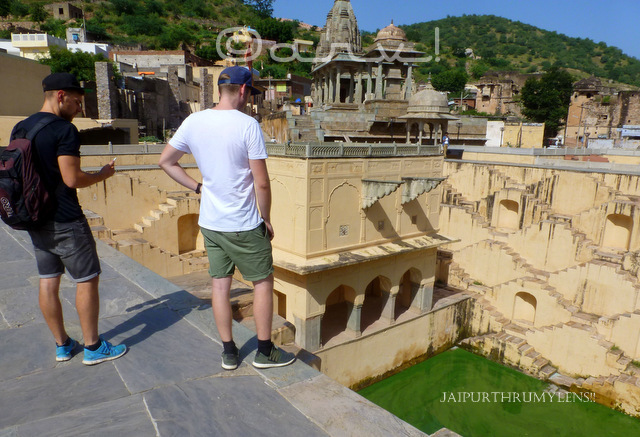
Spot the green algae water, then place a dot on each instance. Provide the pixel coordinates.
(499, 402)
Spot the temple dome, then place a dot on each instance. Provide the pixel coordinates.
(428, 100)
(391, 32)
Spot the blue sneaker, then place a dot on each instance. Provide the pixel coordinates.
(63, 353)
(105, 352)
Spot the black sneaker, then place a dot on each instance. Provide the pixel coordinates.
(277, 358)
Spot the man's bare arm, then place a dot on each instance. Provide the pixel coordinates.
(74, 177)
(263, 190)
(169, 163)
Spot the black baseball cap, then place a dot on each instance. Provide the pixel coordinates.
(61, 81)
(238, 76)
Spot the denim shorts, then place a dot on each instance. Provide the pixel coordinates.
(250, 251)
(66, 245)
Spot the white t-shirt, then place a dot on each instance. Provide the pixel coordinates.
(222, 143)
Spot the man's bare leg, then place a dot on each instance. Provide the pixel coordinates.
(49, 299)
(88, 307)
(221, 304)
(263, 307)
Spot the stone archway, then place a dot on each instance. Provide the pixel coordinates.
(407, 290)
(189, 237)
(508, 214)
(375, 298)
(524, 307)
(339, 307)
(617, 231)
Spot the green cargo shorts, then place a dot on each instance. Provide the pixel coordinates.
(250, 251)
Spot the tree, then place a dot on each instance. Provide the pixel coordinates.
(271, 28)
(5, 7)
(547, 100)
(37, 12)
(452, 81)
(80, 64)
(264, 8)
(19, 9)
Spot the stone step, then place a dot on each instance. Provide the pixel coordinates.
(148, 221)
(540, 363)
(101, 232)
(165, 207)
(516, 330)
(123, 234)
(156, 213)
(140, 227)
(533, 355)
(547, 371)
(525, 348)
(93, 219)
(563, 380)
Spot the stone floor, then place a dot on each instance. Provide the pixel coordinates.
(170, 382)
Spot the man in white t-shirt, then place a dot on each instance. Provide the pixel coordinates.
(229, 149)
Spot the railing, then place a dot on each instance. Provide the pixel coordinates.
(332, 150)
(311, 150)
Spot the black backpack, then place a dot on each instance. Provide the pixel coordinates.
(25, 202)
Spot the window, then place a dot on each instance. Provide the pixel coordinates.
(344, 230)
(414, 219)
(381, 225)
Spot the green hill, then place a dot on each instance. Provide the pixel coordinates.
(504, 44)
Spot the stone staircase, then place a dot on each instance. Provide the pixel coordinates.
(306, 128)
(130, 242)
(507, 344)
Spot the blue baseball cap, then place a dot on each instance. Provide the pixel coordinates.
(238, 76)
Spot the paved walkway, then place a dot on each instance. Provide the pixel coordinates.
(170, 382)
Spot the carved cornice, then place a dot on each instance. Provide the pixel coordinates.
(413, 187)
(373, 190)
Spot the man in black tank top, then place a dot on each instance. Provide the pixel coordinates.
(65, 241)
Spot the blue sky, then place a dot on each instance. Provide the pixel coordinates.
(616, 22)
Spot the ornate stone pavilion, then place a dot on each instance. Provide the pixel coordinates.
(362, 95)
(427, 109)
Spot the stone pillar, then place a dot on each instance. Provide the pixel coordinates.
(308, 332)
(337, 95)
(408, 131)
(173, 117)
(359, 87)
(379, 82)
(389, 309)
(330, 98)
(369, 85)
(409, 82)
(421, 127)
(423, 299)
(206, 89)
(351, 86)
(106, 91)
(353, 323)
(325, 89)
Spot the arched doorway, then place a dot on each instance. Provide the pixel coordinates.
(375, 297)
(338, 308)
(508, 214)
(188, 233)
(617, 231)
(409, 285)
(524, 307)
